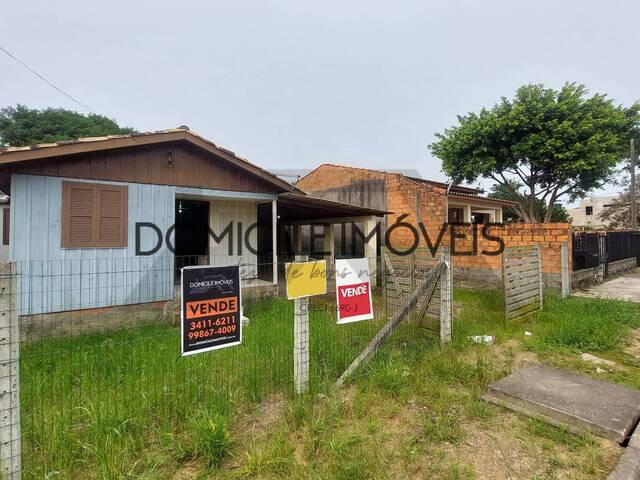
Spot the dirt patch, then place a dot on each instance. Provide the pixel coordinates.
(633, 348)
(507, 356)
(270, 411)
(405, 422)
(499, 452)
(494, 453)
(187, 472)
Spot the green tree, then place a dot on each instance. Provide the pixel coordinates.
(513, 192)
(554, 143)
(21, 126)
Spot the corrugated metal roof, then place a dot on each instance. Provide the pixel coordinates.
(337, 208)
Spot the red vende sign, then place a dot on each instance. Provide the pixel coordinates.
(353, 290)
(354, 300)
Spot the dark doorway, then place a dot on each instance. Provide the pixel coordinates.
(192, 232)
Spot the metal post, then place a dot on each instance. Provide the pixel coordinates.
(446, 282)
(301, 340)
(632, 185)
(328, 246)
(370, 248)
(274, 239)
(10, 454)
(564, 265)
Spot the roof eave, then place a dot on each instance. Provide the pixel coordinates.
(482, 199)
(72, 147)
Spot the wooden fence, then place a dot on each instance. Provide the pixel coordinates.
(522, 274)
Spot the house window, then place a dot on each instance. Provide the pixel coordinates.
(94, 215)
(588, 210)
(456, 215)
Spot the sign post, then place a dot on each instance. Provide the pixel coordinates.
(353, 290)
(211, 310)
(304, 279)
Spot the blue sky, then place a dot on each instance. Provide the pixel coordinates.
(292, 84)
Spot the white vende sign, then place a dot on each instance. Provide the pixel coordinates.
(353, 290)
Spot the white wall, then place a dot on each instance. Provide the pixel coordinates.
(579, 217)
(53, 278)
(221, 212)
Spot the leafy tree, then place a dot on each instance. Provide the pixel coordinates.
(554, 143)
(513, 192)
(618, 213)
(21, 126)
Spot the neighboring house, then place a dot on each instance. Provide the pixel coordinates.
(427, 202)
(76, 207)
(292, 175)
(399, 193)
(587, 213)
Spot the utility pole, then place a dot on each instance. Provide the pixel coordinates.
(632, 186)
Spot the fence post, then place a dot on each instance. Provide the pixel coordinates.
(564, 263)
(10, 453)
(301, 340)
(383, 268)
(446, 296)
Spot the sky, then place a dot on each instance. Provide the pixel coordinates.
(293, 84)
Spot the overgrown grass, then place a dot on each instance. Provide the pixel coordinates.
(578, 324)
(120, 405)
(92, 405)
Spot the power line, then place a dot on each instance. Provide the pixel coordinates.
(83, 105)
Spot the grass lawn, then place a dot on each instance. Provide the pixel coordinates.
(121, 405)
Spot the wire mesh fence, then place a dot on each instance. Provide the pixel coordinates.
(100, 369)
(402, 275)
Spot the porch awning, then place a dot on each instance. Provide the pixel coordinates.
(296, 208)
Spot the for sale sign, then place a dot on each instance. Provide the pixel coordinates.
(353, 290)
(211, 308)
(306, 279)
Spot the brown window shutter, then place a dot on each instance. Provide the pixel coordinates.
(6, 220)
(78, 212)
(112, 216)
(93, 215)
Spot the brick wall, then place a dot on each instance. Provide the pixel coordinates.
(549, 237)
(327, 177)
(427, 204)
(420, 202)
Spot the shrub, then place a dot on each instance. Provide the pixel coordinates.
(211, 440)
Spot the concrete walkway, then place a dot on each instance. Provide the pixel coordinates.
(565, 398)
(626, 287)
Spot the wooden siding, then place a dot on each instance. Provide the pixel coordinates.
(522, 273)
(178, 164)
(58, 279)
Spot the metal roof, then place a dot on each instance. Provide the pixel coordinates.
(295, 206)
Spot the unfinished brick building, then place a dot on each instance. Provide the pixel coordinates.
(432, 204)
